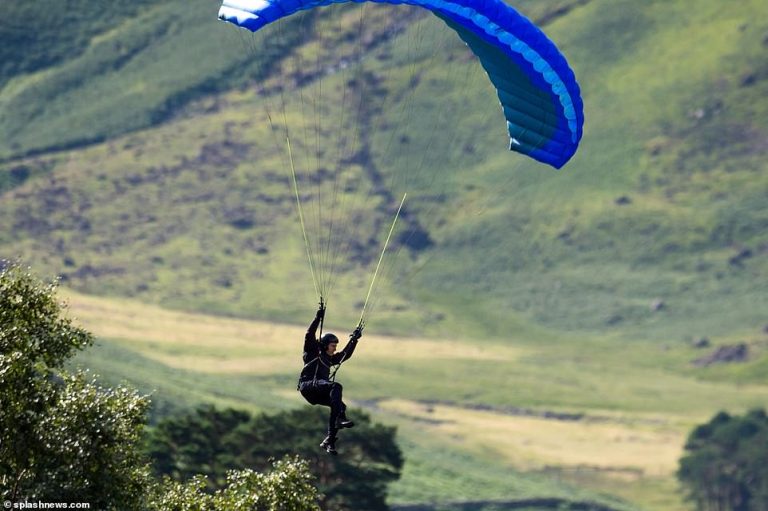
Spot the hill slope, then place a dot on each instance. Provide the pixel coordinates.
(499, 422)
(665, 202)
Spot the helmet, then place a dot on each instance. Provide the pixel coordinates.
(328, 338)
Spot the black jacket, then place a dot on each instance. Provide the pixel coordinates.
(317, 363)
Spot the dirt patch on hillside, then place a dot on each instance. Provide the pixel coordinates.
(730, 353)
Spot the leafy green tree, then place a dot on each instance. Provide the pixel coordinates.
(65, 438)
(288, 486)
(357, 479)
(62, 437)
(724, 468)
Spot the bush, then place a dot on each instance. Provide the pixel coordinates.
(725, 463)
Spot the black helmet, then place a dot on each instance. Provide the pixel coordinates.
(328, 338)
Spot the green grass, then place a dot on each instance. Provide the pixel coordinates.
(470, 414)
(95, 75)
(435, 473)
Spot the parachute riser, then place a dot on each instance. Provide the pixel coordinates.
(322, 319)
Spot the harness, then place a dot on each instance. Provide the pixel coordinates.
(332, 376)
(319, 360)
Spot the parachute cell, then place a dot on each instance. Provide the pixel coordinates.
(537, 89)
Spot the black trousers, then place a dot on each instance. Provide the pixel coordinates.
(325, 393)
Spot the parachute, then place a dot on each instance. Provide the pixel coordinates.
(537, 89)
(371, 103)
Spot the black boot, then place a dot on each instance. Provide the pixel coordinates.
(329, 444)
(342, 422)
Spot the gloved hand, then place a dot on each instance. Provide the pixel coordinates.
(357, 333)
(321, 311)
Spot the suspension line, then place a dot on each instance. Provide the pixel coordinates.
(301, 219)
(381, 257)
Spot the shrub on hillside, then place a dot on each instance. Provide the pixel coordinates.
(724, 467)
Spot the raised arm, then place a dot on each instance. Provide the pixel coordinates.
(310, 338)
(349, 349)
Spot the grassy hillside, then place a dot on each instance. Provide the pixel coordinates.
(528, 418)
(665, 201)
(76, 73)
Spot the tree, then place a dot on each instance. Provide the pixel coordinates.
(357, 479)
(724, 468)
(288, 486)
(196, 443)
(62, 437)
(65, 438)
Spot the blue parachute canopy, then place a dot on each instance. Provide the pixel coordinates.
(537, 89)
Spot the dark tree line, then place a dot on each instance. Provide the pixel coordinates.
(212, 441)
(725, 467)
